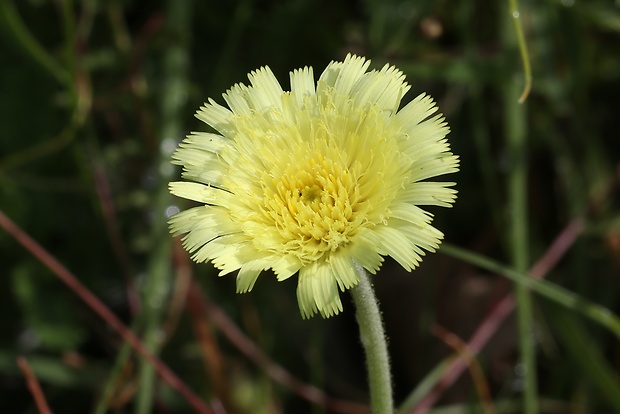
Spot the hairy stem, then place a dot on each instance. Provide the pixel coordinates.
(375, 345)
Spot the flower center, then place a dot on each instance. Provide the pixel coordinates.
(313, 207)
(306, 187)
(310, 194)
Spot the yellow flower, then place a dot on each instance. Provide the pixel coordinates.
(314, 180)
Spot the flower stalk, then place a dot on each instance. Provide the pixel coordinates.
(374, 342)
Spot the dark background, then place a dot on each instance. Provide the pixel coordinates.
(95, 94)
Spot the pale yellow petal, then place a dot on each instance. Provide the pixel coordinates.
(216, 116)
(205, 141)
(200, 192)
(395, 244)
(342, 76)
(344, 270)
(201, 225)
(428, 137)
(302, 84)
(364, 251)
(429, 193)
(384, 88)
(411, 214)
(234, 256)
(249, 272)
(286, 266)
(199, 165)
(416, 111)
(429, 167)
(317, 291)
(427, 237)
(266, 90)
(237, 99)
(218, 246)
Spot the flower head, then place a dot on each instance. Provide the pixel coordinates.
(314, 180)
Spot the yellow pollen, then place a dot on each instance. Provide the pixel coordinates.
(312, 206)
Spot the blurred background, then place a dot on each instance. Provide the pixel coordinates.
(96, 94)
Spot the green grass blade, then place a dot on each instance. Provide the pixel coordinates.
(593, 311)
(584, 352)
(14, 24)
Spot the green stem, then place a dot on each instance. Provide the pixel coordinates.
(525, 57)
(14, 24)
(374, 343)
(517, 189)
(70, 39)
(516, 144)
(114, 377)
(175, 70)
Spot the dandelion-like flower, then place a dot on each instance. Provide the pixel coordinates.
(314, 180)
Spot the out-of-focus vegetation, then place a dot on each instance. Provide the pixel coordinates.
(95, 94)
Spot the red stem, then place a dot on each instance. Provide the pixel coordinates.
(494, 319)
(106, 314)
(34, 386)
